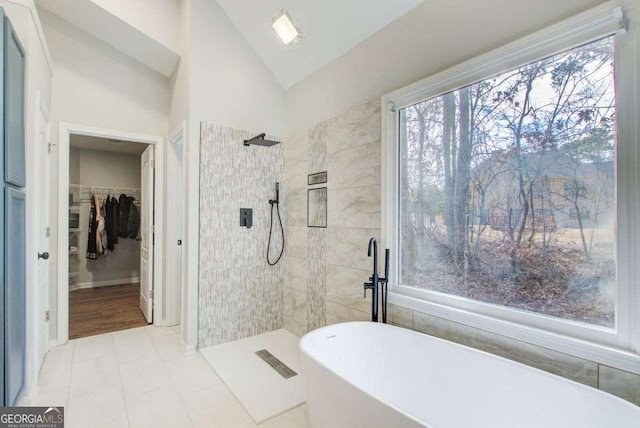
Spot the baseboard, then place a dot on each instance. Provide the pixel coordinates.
(97, 284)
(187, 349)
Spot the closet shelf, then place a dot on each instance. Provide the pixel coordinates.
(74, 209)
(74, 274)
(74, 230)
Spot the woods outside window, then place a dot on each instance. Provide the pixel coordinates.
(502, 196)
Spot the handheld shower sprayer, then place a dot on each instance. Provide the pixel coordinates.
(277, 199)
(275, 202)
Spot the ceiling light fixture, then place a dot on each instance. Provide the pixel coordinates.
(286, 29)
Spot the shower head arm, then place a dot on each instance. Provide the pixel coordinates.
(259, 140)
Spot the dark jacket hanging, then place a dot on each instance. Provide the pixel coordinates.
(92, 249)
(134, 219)
(111, 218)
(115, 225)
(123, 227)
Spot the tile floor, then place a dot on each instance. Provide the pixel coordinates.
(140, 378)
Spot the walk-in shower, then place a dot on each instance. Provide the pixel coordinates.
(259, 140)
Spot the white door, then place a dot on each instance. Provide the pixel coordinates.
(146, 235)
(44, 180)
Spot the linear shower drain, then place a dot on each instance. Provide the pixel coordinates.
(284, 370)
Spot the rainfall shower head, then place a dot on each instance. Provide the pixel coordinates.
(259, 140)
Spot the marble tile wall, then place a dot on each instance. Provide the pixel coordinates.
(328, 266)
(352, 159)
(240, 295)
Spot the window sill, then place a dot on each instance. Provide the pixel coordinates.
(595, 352)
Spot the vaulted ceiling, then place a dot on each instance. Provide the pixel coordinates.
(331, 28)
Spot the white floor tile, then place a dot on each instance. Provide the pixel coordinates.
(91, 347)
(55, 372)
(130, 333)
(52, 397)
(134, 347)
(63, 351)
(105, 408)
(216, 407)
(143, 375)
(191, 373)
(168, 347)
(94, 375)
(296, 418)
(158, 408)
(154, 331)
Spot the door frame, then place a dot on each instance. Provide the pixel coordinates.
(65, 131)
(174, 306)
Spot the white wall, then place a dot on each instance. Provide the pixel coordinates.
(96, 85)
(434, 36)
(159, 19)
(229, 84)
(106, 169)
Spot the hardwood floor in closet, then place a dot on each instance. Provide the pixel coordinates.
(105, 309)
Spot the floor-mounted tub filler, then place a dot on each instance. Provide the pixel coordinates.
(363, 374)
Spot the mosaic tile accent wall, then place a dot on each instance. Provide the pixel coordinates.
(240, 295)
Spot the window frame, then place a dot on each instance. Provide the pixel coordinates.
(617, 347)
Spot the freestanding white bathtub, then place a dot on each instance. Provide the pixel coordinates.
(363, 374)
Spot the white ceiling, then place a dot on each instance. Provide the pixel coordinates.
(112, 30)
(106, 145)
(331, 28)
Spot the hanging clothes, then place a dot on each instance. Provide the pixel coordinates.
(134, 219)
(103, 232)
(100, 225)
(115, 226)
(111, 217)
(123, 228)
(92, 250)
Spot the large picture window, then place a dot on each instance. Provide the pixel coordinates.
(510, 190)
(507, 188)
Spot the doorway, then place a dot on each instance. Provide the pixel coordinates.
(109, 280)
(110, 216)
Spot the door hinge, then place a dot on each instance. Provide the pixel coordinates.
(46, 316)
(153, 164)
(151, 293)
(48, 234)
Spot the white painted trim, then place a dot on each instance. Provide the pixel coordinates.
(174, 307)
(30, 4)
(619, 347)
(191, 166)
(98, 284)
(65, 130)
(187, 349)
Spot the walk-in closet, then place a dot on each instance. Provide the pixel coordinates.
(106, 230)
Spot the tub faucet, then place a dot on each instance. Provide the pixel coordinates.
(375, 282)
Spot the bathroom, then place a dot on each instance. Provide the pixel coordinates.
(315, 138)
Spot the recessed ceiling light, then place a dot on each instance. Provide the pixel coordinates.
(286, 29)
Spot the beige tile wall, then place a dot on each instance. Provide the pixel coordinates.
(348, 148)
(352, 157)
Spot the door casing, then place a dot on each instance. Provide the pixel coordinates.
(65, 131)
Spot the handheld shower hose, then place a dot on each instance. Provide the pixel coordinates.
(275, 202)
